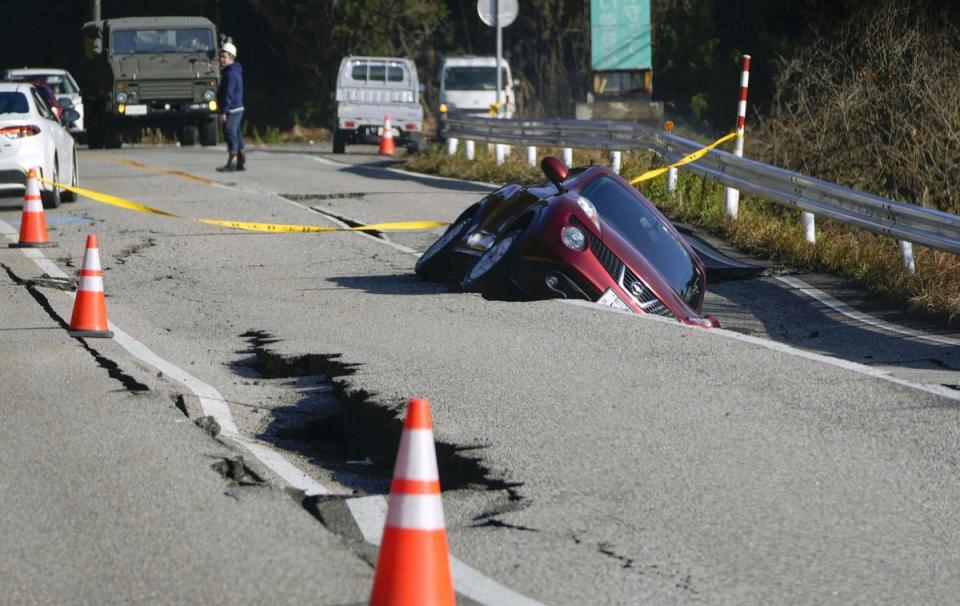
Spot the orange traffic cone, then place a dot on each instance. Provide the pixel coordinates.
(387, 148)
(414, 567)
(33, 224)
(90, 309)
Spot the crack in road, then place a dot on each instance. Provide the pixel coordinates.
(362, 428)
(113, 369)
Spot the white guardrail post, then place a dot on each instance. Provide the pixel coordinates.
(568, 156)
(671, 172)
(499, 151)
(452, 146)
(733, 195)
(906, 253)
(532, 155)
(616, 159)
(471, 150)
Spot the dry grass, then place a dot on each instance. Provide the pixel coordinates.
(762, 228)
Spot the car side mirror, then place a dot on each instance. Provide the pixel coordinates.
(555, 170)
(69, 115)
(64, 102)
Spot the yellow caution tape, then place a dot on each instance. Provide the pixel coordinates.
(245, 225)
(650, 174)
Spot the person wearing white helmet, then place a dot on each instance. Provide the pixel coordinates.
(231, 107)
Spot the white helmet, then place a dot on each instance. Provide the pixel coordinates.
(228, 47)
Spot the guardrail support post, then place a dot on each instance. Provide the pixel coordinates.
(809, 227)
(499, 152)
(568, 156)
(471, 150)
(672, 179)
(906, 253)
(532, 155)
(733, 195)
(452, 146)
(616, 159)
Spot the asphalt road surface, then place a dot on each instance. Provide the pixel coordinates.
(587, 456)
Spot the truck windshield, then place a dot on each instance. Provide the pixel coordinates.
(473, 78)
(646, 231)
(162, 41)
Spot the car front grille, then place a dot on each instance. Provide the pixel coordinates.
(627, 280)
(166, 89)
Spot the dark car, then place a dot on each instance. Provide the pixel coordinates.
(585, 234)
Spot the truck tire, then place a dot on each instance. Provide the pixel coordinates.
(209, 132)
(113, 139)
(416, 144)
(188, 135)
(339, 141)
(95, 139)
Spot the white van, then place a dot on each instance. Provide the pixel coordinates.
(469, 85)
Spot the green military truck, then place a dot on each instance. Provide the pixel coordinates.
(150, 72)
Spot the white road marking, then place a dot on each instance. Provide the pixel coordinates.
(938, 390)
(859, 316)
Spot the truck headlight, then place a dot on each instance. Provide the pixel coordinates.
(121, 97)
(209, 95)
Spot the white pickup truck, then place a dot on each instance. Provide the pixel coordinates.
(368, 90)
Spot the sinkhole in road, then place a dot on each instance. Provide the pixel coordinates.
(345, 429)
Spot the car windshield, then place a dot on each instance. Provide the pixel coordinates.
(647, 232)
(60, 84)
(162, 41)
(13, 103)
(473, 78)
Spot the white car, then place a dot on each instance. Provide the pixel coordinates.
(31, 136)
(62, 83)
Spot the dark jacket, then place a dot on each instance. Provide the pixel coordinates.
(230, 95)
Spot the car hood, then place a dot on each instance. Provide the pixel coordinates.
(163, 66)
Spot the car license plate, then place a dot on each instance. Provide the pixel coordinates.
(610, 298)
(136, 110)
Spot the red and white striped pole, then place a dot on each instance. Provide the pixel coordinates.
(733, 195)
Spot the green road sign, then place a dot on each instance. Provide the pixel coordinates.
(620, 35)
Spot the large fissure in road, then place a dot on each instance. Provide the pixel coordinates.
(358, 435)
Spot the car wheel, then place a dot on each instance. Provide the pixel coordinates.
(67, 195)
(434, 264)
(209, 132)
(339, 141)
(51, 197)
(490, 275)
(188, 135)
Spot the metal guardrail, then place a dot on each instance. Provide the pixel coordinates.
(905, 222)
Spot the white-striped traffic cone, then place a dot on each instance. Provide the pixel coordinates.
(89, 317)
(414, 567)
(33, 223)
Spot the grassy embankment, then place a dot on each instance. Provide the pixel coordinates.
(762, 228)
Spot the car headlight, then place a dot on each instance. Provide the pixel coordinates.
(590, 210)
(209, 95)
(573, 238)
(121, 97)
